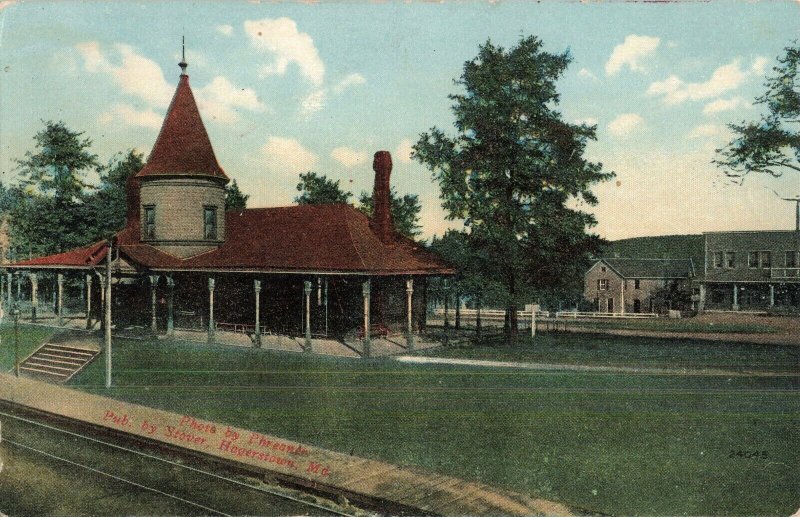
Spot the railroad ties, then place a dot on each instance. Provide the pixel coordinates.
(57, 362)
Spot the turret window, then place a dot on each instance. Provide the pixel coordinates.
(150, 222)
(210, 223)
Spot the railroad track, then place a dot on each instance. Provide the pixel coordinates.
(131, 469)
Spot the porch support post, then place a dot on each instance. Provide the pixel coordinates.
(365, 292)
(103, 300)
(257, 289)
(153, 304)
(34, 295)
(10, 279)
(701, 304)
(19, 285)
(772, 294)
(307, 319)
(409, 314)
(622, 298)
(89, 301)
(735, 297)
(326, 306)
(211, 324)
(170, 306)
(60, 302)
(446, 310)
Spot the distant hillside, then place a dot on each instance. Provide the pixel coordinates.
(667, 246)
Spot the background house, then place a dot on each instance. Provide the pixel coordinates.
(629, 285)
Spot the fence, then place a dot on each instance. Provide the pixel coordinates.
(601, 315)
(495, 314)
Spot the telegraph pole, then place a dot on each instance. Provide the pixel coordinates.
(108, 314)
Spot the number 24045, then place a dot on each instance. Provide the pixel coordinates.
(748, 454)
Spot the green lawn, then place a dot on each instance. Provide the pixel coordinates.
(674, 325)
(610, 350)
(30, 338)
(612, 443)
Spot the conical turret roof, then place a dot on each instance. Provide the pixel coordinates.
(183, 147)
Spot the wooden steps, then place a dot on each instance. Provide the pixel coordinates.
(57, 362)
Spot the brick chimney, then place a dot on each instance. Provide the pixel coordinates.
(132, 195)
(381, 222)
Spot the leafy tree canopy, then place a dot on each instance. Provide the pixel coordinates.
(513, 167)
(59, 164)
(317, 189)
(106, 208)
(235, 199)
(770, 145)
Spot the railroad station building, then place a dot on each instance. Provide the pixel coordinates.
(183, 262)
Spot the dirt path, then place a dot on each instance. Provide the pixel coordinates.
(707, 372)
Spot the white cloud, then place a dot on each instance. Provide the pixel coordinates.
(675, 91)
(725, 105)
(287, 156)
(404, 150)
(220, 100)
(672, 44)
(225, 30)
(127, 114)
(280, 38)
(353, 79)
(706, 131)
(631, 52)
(7, 3)
(135, 75)
(349, 157)
(625, 123)
(759, 66)
(585, 73)
(313, 102)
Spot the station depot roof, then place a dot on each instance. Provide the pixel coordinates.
(334, 239)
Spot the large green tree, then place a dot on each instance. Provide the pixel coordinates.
(514, 169)
(50, 216)
(235, 199)
(318, 189)
(770, 145)
(105, 208)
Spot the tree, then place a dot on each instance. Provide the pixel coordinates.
(513, 167)
(770, 145)
(106, 208)
(235, 199)
(50, 216)
(60, 162)
(405, 211)
(317, 189)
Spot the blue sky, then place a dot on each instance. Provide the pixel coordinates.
(284, 88)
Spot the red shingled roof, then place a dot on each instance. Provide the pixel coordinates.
(183, 146)
(80, 257)
(304, 238)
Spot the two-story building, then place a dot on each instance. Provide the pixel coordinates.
(628, 285)
(750, 270)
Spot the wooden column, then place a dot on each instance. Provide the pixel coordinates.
(34, 295)
(365, 292)
(89, 301)
(10, 278)
(446, 290)
(60, 299)
(257, 289)
(153, 303)
(107, 315)
(211, 324)
(622, 298)
(102, 301)
(326, 306)
(170, 306)
(735, 297)
(772, 293)
(307, 318)
(409, 314)
(19, 286)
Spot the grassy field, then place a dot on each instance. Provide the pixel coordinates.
(610, 350)
(612, 443)
(30, 337)
(675, 325)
